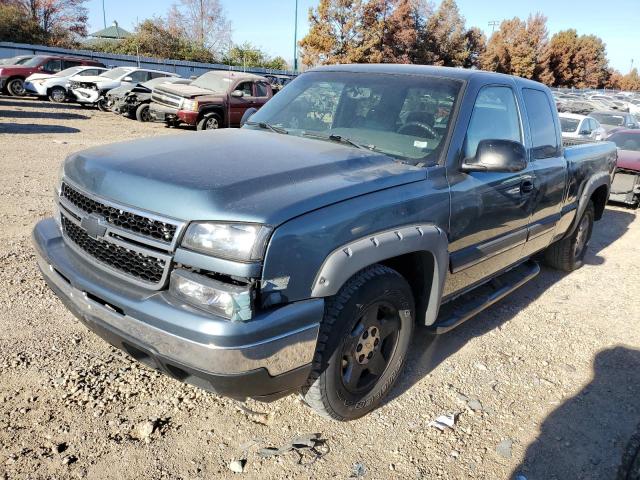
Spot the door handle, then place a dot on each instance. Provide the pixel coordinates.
(527, 186)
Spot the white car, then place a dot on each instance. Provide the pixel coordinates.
(581, 126)
(55, 85)
(92, 90)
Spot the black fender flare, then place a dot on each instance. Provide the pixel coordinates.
(212, 110)
(591, 186)
(347, 260)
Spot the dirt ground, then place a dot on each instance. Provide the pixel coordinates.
(544, 385)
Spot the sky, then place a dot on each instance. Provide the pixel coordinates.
(269, 24)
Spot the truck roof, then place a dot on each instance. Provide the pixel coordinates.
(465, 74)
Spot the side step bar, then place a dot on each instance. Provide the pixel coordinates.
(468, 305)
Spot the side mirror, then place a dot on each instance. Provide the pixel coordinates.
(584, 132)
(127, 79)
(497, 156)
(247, 115)
(237, 93)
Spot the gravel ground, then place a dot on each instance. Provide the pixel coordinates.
(544, 384)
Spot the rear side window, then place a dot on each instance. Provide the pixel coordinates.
(543, 128)
(139, 76)
(495, 117)
(53, 65)
(71, 63)
(261, 89)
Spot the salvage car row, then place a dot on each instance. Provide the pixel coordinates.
(213, 100)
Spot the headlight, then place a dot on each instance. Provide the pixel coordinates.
(229, 301)
(190, 105)
(244, 242)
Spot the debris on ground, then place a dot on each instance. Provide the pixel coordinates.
(443, 422)
(237, 466)
(358, 470)
(311, 442)
(262, 418)
(504, 448)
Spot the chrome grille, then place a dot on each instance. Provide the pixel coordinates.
(165, 98)
(145, 268)
(141, 225)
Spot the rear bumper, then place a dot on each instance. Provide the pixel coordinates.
(265, 358)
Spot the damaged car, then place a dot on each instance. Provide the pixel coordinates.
(214, 100)
(626, 183)
(133, 102)
(92, 90)
(55, 86)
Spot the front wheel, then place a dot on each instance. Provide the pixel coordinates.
(212, 122)
(15, 87)
(102, 105)
(142, 113)
(568, 254)
(58, 95)
(362, 345)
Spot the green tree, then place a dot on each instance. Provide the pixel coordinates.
(445, 37)
(249, 55)
(16, 26)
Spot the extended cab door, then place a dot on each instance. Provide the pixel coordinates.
(489, 210)
(549, 180)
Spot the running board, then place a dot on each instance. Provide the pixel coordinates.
(470, 304)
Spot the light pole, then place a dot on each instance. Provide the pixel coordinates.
(295, 40)
(104, 15)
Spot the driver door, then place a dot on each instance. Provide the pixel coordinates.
(238, 105)
(489, 210)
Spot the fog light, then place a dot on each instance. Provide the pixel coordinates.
(228, 301)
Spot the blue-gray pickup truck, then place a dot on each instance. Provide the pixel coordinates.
(299, 252)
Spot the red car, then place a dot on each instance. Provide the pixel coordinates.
(626, 183)
(12, 76)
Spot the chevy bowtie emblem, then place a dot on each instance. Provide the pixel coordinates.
(94, 226)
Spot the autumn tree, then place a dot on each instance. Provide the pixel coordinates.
(333, 35)
(476, 44)
(630, 81)
(201, 21)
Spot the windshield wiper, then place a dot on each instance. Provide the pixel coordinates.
(339, 138)
(268, 126)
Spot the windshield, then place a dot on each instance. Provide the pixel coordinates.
(214, 81)
(609, 119)
(115, 73)
(626, 141)
(404, 116)
(569, 125)
(68, 72)
(34, 61)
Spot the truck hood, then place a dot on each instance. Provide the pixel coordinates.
(629, 160)
(233, 175)
(186, 91)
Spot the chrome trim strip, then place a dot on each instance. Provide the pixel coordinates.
(179, 224)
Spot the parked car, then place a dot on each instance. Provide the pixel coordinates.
(612, 120)
(18, 60)
(55, 86)
(213, 100)
(581, 127)
(298, 252)
(12, 77)
(278, 82)
(92, 90)
(626, 183)
(133, 102)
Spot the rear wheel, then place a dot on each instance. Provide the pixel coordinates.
(142, 113)
(15, 87)
(568, 254)
(211, 122)
(362, 345)
(58, 95)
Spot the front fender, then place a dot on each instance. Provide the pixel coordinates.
(347, 260)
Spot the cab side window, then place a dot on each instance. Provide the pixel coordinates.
(543, 129)
(246, 88)
(139, 76)
(53, 65)
(261, 89)
(494, 117)
(71, 63)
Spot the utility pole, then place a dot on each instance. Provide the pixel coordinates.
(493, 24)
(104, 15)
(295, 40)
(202, 22)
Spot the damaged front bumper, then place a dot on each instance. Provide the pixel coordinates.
(86, 95)
(265, 358)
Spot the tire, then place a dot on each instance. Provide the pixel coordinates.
(142, 113)
(568, 253)
(102, 105)
(15, 87)
(57, 95)
(368, 324)
(210, 122)
(630, 466)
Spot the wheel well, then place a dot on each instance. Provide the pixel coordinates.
(218, 111)
(417, 268)
(599, 198)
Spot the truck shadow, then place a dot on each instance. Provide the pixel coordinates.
(37, 103)
(42, 115)
(429, 351)
(586, 436)
(32, 128)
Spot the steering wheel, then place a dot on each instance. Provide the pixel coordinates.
(430, 131)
